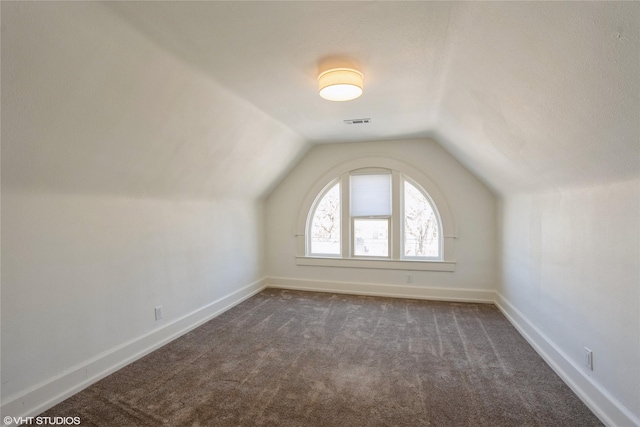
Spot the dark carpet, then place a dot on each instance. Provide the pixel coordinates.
(289, 358)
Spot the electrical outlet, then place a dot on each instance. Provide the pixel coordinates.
(159, 312)
(588, 358)
(409, 278)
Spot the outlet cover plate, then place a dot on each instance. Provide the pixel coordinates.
(159, 312)
(588, 358)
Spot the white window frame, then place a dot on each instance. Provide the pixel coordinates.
(404, 179)
(312, 212)
(400, 170)
(353, 236)
(352, 218)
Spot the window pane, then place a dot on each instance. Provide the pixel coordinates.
(371, 237)
(421, 229)
(371, 195)
(325, 225)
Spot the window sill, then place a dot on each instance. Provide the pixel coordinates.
(383, 264)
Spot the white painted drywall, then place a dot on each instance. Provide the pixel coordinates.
(571, 265)
(541, 101)
(81, 274)
(471, 203)
(91, 106)
(129, 180)
(542, 94)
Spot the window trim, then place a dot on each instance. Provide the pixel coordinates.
(403, 180)
(312, 212)
(377, 263)
(399, 168)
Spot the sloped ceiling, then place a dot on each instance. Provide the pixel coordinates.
(544, 95)
(91, 106)
(528, 95)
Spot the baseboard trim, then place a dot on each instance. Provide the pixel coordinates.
(373, 289)
(51, 392)
(606, 407)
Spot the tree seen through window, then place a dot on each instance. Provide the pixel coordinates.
(420, 224)
(325, 226)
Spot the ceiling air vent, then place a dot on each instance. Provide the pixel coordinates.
(357, 121)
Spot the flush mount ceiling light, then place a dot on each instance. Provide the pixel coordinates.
(340, 84)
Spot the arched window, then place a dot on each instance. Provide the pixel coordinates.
(421, 226)
(374, 214)
(324, 230)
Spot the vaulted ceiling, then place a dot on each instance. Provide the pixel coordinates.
(527, 95)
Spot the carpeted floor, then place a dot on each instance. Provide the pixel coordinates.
(288, 358)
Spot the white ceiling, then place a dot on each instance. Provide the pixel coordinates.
(525, 94)
(270, 53)
(221, 97)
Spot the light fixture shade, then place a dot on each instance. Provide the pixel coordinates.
(340, 84)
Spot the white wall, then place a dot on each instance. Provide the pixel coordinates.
(471, 203)
(548, 118)
(571, 267)
(81, 275)
(129, 180)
